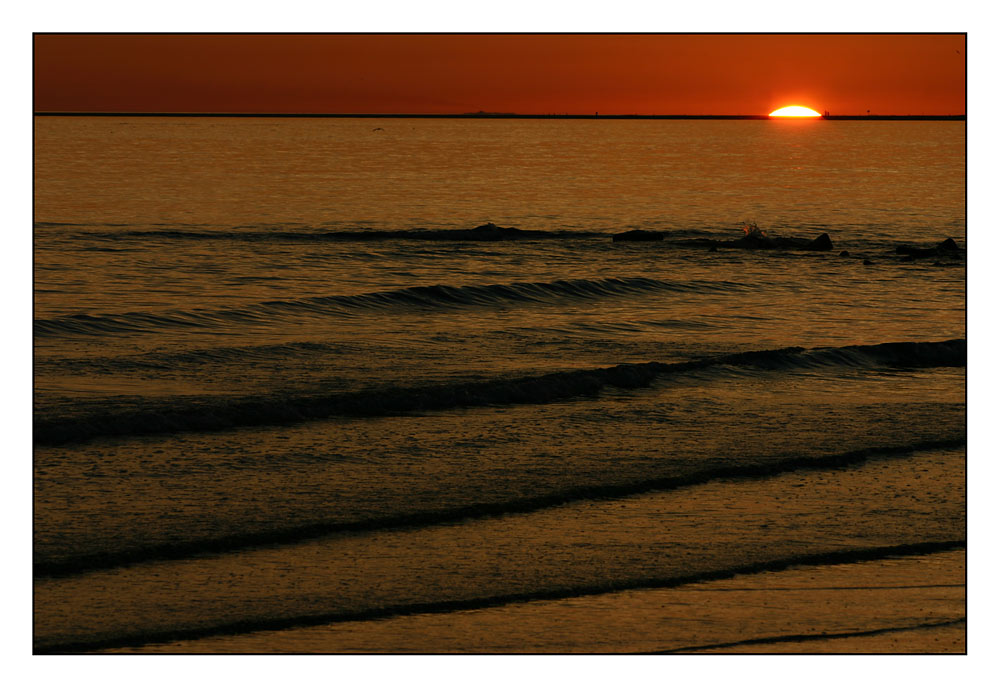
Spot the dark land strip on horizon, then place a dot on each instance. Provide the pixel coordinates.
(499, 115)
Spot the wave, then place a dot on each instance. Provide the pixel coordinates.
(169, 361)
(830, 558)
(807, 637)
(362, 235)
(201, 414)
(73, 565)
(434, 297)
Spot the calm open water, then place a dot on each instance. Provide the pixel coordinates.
(284, 403)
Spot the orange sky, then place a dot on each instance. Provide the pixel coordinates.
(528, 74)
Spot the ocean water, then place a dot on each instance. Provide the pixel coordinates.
(286, 402)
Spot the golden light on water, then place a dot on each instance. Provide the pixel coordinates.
(795, 111)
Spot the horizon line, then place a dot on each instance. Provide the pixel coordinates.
(484, 115)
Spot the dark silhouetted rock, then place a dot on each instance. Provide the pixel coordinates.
(948, 245)
(489, 232)
(638, 235)
(789, 242)
(867, 262)
(748, 242)
(820, 243)
(915, 252)
(909, 259)
(845, 254)
(713, 249)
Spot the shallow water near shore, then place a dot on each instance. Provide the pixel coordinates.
(285, 403)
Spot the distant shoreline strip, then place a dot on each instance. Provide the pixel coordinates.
(499, 115)
(836, 557)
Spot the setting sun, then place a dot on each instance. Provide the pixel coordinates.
(794, 111)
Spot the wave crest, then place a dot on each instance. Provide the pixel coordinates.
(421, 298)
(202, 415)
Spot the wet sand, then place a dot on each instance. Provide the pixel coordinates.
(909, 604)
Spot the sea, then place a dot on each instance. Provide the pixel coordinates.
(288, 399)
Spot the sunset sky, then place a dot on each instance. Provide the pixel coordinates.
(527, 74)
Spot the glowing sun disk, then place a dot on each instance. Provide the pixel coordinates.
(794, 111)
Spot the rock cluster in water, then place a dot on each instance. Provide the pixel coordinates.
(638, 235)
(487, 232)
(759, 241)
(945, 248)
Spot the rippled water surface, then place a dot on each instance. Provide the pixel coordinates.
(273, 345)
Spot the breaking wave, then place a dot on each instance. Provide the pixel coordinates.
(436, 297)
(210, 414)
